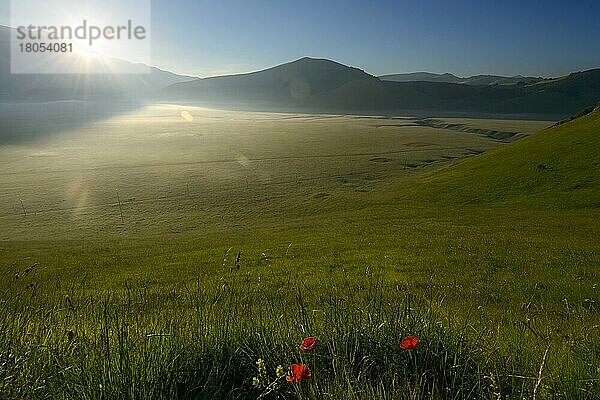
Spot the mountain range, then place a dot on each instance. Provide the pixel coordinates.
(111, 83)
(319, 85)
(312, 85)
(472, 80)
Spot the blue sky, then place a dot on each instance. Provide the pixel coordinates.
(545, 38)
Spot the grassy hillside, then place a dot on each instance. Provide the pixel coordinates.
(236, 235)
(558, 167)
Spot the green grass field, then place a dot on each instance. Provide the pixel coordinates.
(236, 235)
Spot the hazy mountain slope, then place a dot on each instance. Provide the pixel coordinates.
(421, 77)
(557, 167)
(359, 95)
(570, 93)
(448, 96)
(326, 86)
(500, 80)
(449, 78)
(293, 84)
(35, 87)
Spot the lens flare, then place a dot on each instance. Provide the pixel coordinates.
(187, 116)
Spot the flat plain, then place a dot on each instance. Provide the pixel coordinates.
(216, 166)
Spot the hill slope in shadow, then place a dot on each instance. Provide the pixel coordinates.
(450, 78)
(320, 85)
(298, 84)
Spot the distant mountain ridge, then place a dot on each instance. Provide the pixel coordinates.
(320, 85)
(306, 82)
(313, 85)
(450, 78)
(421, 77)
(42, 87)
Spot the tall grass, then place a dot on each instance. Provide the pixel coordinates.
(202, 340)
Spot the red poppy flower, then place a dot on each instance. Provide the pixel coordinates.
(409, 342)
(299, 372)
(308, 343)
